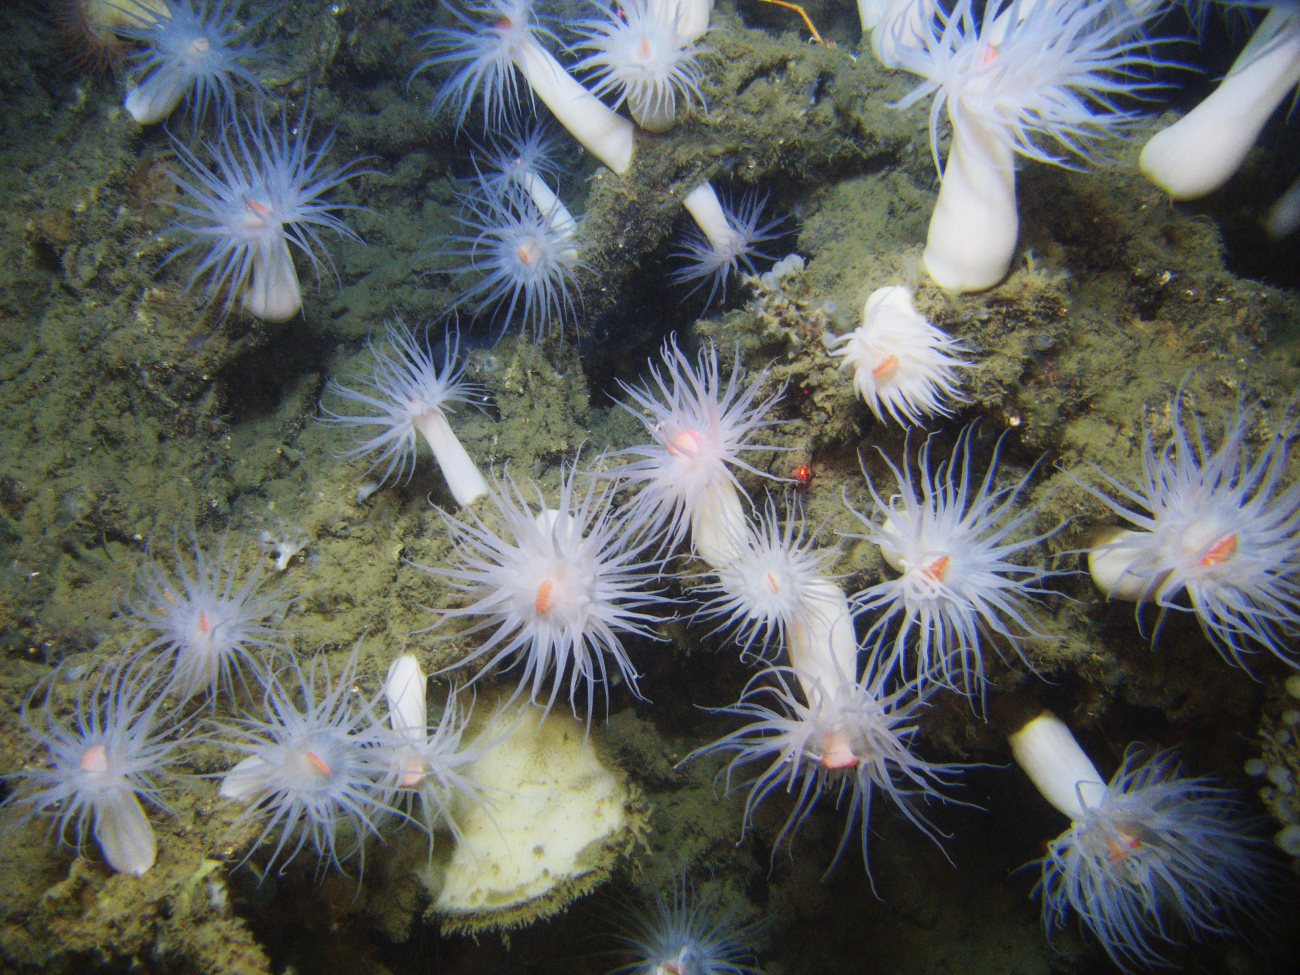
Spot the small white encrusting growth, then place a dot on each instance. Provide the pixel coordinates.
(1027, 75)
(639, 53)
(1216, 524)
(103, 758)
(553, 588)
(902, 365)
(410, 395)
(1150, 857)
(698, 428)
(284, 544)
(1200, 152)
(953, 544)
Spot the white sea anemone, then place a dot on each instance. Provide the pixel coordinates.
(498, 36)
(1217, 525)
(685, 933)
(639, 53)
(195, 52)
(428, 761)
(771, 587)
(698, 428)
(1038, 79)
(726, 240)
(409, 395)
(110, 752)
(958, 586)
(211, 619)
(552, 588)
(851, 740)
(1150, 857)
(318, 769)
(902, 365)
(263, 191)
(519, 252)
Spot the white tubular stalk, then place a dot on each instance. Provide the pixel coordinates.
(123, 832)
(649, 116)
(705, 208)
(466, 483)
(404, 689)
(718, 526)
(871, 12)
(553, 211)
(892, 556)
(1110, 562)
(1284, 216)
(823, 646)
(899, 25)
(604, 133)
(1198, 153)
(690, 16)
(273, 294)
(974, 227)
(1055, 763)
(156, 96)
(245, 778)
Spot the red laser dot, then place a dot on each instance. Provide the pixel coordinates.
(802, 475)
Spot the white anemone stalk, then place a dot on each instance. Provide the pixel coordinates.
(1055, 763)
(1200, 152)
(706, 210)
(1284, 216)
(691, 16)
(823, 646)
(603, 132)
(404, 689)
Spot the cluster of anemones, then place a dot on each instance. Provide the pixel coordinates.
(322, 769)
(557, 589)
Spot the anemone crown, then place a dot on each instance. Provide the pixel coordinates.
(1156, 848)
(953, 543)
(1218, 525)
(555, 588)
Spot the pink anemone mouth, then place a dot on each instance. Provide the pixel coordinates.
(836, 751)
(95, 759)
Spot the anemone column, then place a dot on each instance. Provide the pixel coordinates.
(1200, 152)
